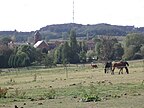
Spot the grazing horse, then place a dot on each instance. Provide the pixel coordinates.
(120, 65)
(94, 65)
(108, 67)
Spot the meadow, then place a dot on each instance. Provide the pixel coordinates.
(77, 86)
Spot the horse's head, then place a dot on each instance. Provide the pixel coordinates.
(108, 64)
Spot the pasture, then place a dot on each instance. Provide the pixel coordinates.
(78, 87)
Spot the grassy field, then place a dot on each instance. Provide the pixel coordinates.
(78, 87)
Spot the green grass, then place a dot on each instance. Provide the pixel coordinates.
(50, 88)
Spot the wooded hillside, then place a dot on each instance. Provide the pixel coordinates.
(60, 30)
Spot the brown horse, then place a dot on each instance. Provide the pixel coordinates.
(120, 65)
(94, 65)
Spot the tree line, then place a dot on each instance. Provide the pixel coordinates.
(73, 51)
(59, 30)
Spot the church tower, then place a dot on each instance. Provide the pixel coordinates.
(37, 37)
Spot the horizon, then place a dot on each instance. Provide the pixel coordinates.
(67, 23)
(31, 15)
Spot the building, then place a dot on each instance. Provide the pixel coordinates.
(41, 45)
(37, 37)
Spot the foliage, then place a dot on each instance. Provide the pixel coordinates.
(134, 44)
(5, 40)
(66, 53)
(106, 48)
(18, 94)
(51, 94)
(58, 54)
(118, 51)
(142, 50)
(74, 48)
(3, 92)
(48, 60)
(137, 56)
(29, 50)
(21, 59)
(60, 31)
(90, 55)
(90, 94)
(82, 56)
(5, 53)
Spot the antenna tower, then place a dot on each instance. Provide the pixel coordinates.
(73, 11)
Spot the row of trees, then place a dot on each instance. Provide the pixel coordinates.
(72, 51)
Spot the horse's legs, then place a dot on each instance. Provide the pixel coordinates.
(105, 70)
(113, 71)
(127, 71)
(119, 71)
(122, 71)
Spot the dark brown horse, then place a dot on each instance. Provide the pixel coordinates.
(108, 67)
(120, 65)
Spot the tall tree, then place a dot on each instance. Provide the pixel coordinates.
(66, 53)
(58, 54)
(74, 58)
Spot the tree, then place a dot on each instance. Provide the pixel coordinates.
(5, 40)
(105, 48)
(142, 50)
(129, 52)
(74, 48)
(5, 53)
(133, 45)
(48, 60)
(98, 49)
(136, 39)
(29, 50)
(21, 59)
(66, 53)
(82, 56)
(90, 55)
(58, 54)
(83, 46)
(118, 51)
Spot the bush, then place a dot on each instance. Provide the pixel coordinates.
(3, 92)
(91, 98)
(90, 94)
(51, 94)
(137, 56)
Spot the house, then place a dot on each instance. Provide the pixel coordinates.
(41, 45)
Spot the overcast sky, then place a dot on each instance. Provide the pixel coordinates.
(31, 15)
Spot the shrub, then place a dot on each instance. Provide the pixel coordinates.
(3, 92)
(18, 94)
(137, 56)
(90, 98)
(89, 94)
(51, 94)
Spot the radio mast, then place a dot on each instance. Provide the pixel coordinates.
(73, 11)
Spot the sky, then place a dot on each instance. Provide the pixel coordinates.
(31, 15)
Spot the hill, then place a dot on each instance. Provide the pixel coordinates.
(60, 30)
